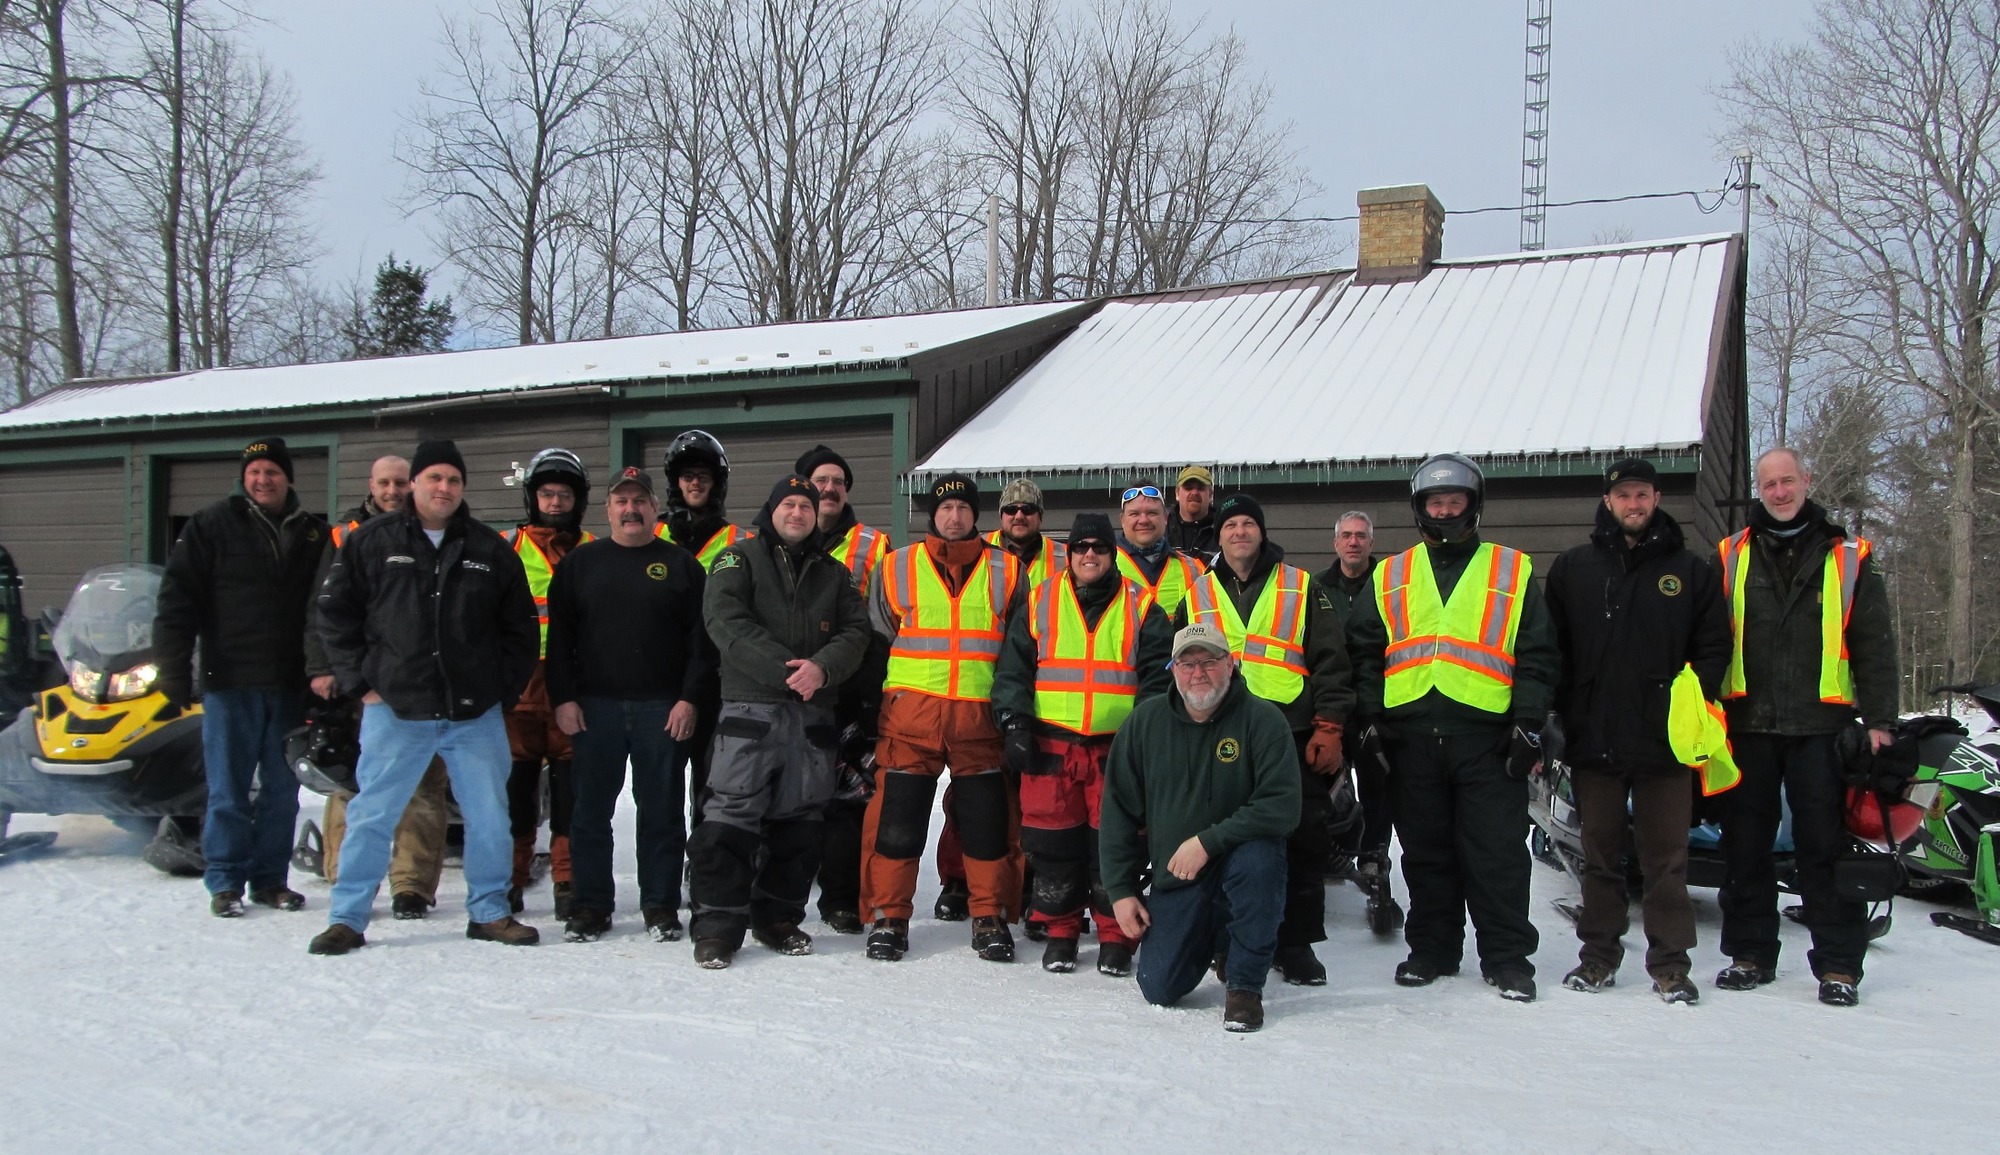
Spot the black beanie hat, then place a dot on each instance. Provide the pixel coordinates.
(271, 449)
(1092, 527)
(431, 453)
(955, 486)
(1240, 505)
(789, 484)
(820, 455)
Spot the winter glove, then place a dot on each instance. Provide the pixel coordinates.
(1022, 753)
(1524, 754)
(1323, 749)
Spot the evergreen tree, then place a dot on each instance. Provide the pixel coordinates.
(399, 320)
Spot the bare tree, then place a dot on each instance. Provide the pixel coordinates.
(673, 97)
(499, 142)
(1790, 324)
(1884, 131)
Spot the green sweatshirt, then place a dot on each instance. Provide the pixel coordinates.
(1229, 780)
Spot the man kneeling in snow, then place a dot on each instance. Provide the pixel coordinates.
(1203, 784)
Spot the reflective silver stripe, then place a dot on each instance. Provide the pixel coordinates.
(1850, 573)
(980, 645)
(1502, 595)
(1499, 667)
(922, 645)
(996, 587)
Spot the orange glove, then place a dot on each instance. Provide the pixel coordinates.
(1323, 750)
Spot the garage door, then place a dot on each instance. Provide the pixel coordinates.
(194, 483)
(59, 521)
(759, 457)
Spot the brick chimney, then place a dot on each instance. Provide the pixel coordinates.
(1402, 233)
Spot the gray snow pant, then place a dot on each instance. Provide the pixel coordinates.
(758, 846)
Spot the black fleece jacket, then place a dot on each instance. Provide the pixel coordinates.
(239, 580)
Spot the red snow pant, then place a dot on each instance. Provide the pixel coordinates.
(1061, 799)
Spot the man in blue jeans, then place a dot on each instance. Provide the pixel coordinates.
(239, 580)
(627, 661)
(427, 618)
(1202, 786)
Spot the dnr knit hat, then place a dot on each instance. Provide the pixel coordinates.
(1631, 469)
(431, 453)
(271, 449)
(954, 487)
(1021, 491)
(1240, 505)
(820, 455)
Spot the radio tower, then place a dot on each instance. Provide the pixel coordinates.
(1535, 128)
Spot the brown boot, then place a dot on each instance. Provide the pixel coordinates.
(1243, 1012)
(504, 930)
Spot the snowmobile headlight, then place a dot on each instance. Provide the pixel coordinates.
(85, 682)
(136, 682)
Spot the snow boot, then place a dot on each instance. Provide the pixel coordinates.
(587, 925)
(1674, 987)
(1299, 966)
(1035, 929)
(663, 924)
(991, 940)
(890, 940)
(1514, 984)
(953, 902)
(843, 921)
(409, 905)
(563, 894)
(516, 902)
(1592, 978)
(1837, 990)
(1744, 975)
(337, 938)
(279, 898)
(226, 904)
(1417, 972)
(714, 954)
(1114, 959)
(506, 931)
(1384, 916)
(1059, 956)
(1243, 1012)
(784, 937)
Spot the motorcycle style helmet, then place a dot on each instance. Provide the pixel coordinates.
(556, 465)
(1441, 472)
(324, 752)
(696, 447)
(1868, 821)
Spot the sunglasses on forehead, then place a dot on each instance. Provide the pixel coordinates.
(1152, 491)
(1020, 509)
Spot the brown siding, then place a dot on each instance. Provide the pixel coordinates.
(491, 443)
(59, 521)
(759, 456)
(192, 484)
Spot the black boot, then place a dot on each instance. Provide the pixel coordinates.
(953, 902)
(991, 939)
(1299, 966)
(1059, 956)
(890, 940)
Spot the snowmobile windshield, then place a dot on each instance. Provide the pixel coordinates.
(108, 624)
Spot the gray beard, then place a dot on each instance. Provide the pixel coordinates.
(1203, 703)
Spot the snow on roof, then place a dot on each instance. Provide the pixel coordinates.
(1583, 351)
(761, 349)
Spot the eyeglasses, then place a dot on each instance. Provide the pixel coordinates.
(1103, 547)
(837, 481)
(1202, 666)
(1020, 509)
(1152, 491)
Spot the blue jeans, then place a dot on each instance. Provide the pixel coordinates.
(614, 730)
(248, 842)
(394, 755)
(1237, 901)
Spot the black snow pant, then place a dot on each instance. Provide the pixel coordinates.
(1378, 804)
(1464, 827)
(1308, 852)
(1807, 770)
(840, 856)
(758, 847)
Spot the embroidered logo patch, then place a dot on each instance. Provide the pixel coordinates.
(481, 566)
(657, 571)
(728, 561)
(399, 559)
(1670, 585)
(1228, 750)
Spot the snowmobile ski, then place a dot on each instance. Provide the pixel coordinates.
(21, 845)
(174, 851)
(1983, 931)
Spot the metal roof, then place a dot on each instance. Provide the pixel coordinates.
(707, 353)
(1559, 353)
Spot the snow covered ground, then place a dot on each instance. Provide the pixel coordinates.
(130, 1020)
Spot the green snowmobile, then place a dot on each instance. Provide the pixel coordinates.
(1957, 785)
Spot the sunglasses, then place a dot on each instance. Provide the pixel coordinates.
(1020, 509)
(1103, 547)
(1152, 491)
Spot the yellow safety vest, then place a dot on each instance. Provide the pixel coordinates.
(1272, 645)
(1086, 681)
(1698, 731)
(541, 571)
(1176, 578)
(862, 550)
(1050, 560)
(947, 646)
(1836, 607)
(722, 539)
(1464, 648)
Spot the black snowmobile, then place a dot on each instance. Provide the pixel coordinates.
(97, 736)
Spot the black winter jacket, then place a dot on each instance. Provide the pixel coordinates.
(445, 632)
(240, 581)
(1781, 643)
(767, 605)
(1627, 618)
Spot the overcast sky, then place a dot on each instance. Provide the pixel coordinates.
(1378, 93)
